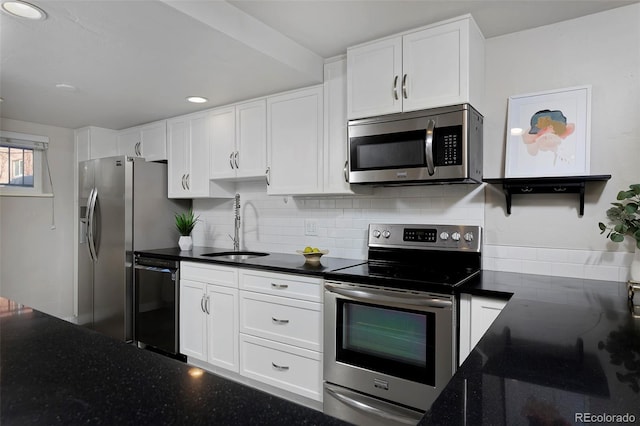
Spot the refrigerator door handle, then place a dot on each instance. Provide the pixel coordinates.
(93, 198)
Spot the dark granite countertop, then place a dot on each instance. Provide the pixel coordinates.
(563, 351)
(275, 262)
(56, 373)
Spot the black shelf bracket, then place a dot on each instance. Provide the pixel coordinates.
(545, 185)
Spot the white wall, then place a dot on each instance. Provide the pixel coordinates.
(36, 262)
(544, 233)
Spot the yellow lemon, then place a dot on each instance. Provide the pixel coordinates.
(315, 250)
(307, 249)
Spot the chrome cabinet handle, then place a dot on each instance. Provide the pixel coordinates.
(183, 187)
(137, 149)
(235, 159)
(279, 321)
(206, 304)
(279, 286)
(231, 160)
(279, 367)
(267, 175)
(395, 88)
(428, 147)
(187, 182)
(346, 171)
(202, 304)
(404, 86)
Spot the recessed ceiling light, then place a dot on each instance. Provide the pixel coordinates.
(66, 87)
(23, 9)
(197, 99)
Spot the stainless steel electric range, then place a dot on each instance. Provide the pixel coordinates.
(390, 323)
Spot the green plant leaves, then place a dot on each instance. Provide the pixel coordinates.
(185, 222)
(625, 216)
(617, 238)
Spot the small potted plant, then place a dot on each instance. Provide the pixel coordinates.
(625, 217)
(185, 222)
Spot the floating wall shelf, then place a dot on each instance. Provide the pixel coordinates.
(546, 185)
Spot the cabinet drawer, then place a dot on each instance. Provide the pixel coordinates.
(290, 321)
(285, 285)
(207, 273)
(286, 367)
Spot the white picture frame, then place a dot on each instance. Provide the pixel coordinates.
(549, 133)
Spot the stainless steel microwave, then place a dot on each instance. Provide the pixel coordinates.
(439, 145)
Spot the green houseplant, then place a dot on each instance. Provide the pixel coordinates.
(185, 222)
(625, 217)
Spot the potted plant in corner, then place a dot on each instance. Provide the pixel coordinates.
(185, 223)
(626, 222)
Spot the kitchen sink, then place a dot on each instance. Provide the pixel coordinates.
(236, 255)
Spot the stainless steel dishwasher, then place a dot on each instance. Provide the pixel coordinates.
(156, 304)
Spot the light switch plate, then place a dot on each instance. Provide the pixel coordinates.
(310, 227)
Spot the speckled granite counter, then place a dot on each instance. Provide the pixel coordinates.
(563, 351)
(55, 373)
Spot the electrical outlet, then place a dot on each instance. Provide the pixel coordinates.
(310, 227)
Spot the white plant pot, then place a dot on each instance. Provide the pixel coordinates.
(185, 242)
(634, 271)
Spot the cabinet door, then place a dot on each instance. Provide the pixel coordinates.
(154, 141)
(374, 73)
(435, 64)
(198, 171)
(223, 143)
(251, 139)
(193, 321)
(222, 307)
(294, 142)
(178, 151)
(130, 143)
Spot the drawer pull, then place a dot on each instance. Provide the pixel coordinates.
(279, 321)
(279, 286)
(279, 367)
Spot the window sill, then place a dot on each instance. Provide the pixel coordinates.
(26, 194)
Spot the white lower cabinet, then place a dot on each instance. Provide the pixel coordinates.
(284, 366)
(477, 313)
(281, 331)
(209, 314)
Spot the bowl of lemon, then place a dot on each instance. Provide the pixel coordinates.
(312, 255)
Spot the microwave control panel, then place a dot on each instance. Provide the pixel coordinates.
(448, 146)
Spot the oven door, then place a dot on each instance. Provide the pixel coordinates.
(390, 344)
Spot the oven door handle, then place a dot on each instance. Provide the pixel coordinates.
(388, 413)
(382, 296)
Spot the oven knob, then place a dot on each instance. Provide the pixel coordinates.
(386, 233)
(444, 235)
(455, 236)
(376, 233)
(468, 237)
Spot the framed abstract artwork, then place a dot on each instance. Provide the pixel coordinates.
(549, 133)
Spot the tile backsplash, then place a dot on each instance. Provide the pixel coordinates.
(277, 224)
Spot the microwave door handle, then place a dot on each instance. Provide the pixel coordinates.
(428, 147)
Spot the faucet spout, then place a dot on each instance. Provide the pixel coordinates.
(236, 235)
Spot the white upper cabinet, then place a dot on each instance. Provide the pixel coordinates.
(335, 130)
(442, 64)
(95, 142)
(148, 141)
(238, 141)
(188, 158)
(295, 142)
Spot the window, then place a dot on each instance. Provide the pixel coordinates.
(21, 163)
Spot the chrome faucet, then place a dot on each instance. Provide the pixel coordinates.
(236, 235)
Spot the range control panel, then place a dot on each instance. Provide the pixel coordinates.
(428, 237)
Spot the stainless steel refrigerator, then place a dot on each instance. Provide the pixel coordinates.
(123, 207)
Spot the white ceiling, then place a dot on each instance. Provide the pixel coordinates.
(134, 62)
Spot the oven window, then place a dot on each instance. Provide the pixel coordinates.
(390, 151)
(393, 341)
